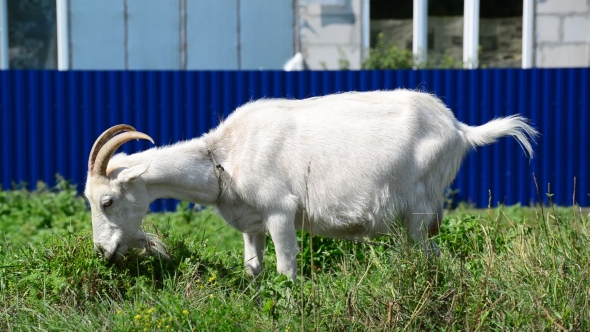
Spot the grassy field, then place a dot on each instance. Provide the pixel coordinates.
(512, 268)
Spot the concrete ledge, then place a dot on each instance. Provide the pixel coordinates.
(563, 55)
(562, 6)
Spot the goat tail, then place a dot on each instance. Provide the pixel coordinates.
(514, 125)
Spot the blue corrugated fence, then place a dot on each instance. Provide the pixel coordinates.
(50, 119)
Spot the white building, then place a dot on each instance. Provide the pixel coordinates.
(252, 34)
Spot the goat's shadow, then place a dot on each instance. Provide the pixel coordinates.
(159, 269)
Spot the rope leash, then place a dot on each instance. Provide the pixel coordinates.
(218, 170)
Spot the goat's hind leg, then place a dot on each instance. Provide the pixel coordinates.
(422, 225)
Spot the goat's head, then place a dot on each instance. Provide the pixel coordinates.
(118, 200)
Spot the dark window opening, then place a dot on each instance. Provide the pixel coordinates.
(402, 9)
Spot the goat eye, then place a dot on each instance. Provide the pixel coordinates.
(107, 203)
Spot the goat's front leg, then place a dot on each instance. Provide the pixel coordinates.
(282, 231)
(254, 252)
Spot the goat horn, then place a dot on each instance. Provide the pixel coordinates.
(102, 139)
(107, 151)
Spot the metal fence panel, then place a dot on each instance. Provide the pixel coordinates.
(266, 34)
(212, 34)
(97, 34)
(50, 119)
(153, 34)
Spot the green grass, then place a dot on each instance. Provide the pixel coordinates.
(517, 268)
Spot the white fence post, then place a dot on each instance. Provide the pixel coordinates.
(420, 38)
(4, 60)
(365, 29)
(63, 35)
(528, 33)
(470, 33)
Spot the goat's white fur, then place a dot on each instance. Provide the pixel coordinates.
(355, 162)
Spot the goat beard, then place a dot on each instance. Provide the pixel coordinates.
(153, 246)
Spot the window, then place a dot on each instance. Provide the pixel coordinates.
(32, 36)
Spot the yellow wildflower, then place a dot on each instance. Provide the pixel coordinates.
(185, 312)
(137, 317)
(211, 296)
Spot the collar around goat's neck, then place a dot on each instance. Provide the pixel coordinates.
(218, 170)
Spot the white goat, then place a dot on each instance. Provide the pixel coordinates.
(354, 162)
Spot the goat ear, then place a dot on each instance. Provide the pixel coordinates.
(132, 173)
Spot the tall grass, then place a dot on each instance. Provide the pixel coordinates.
(511, 268)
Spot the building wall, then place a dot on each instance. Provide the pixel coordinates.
(330, 35)
(562, 33)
